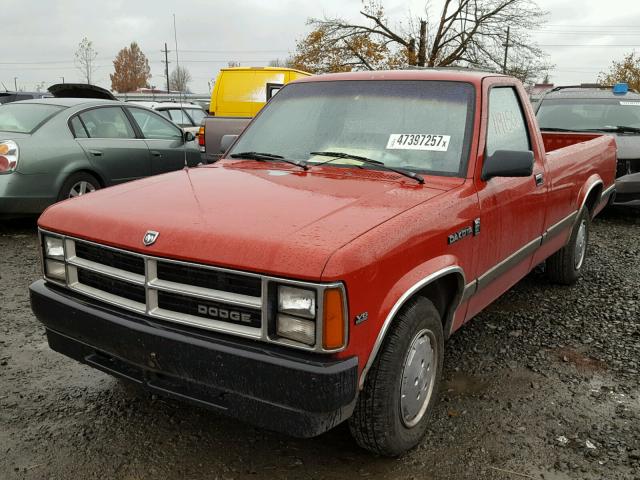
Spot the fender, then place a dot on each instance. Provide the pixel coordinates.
(594, 181)
(404, 289)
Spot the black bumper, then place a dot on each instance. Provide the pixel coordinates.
(628, 190)
(298, 394)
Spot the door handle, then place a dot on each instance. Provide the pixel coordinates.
(539, 179)
(95, 153)
(155, 153)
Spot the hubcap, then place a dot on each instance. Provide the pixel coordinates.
(80, 188)
(418, 378)
(581, 245)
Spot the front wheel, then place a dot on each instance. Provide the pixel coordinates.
(393, 409)
(565, 266)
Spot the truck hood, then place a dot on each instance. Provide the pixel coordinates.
(243, 215)
(628, 146)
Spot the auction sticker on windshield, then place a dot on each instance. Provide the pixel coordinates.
(418, 141)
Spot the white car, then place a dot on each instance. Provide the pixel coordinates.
(187, 116)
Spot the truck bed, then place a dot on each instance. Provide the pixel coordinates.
(556, 140)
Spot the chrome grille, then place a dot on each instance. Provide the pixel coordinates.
(190, 294)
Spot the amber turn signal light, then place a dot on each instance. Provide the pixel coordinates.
(333, 331)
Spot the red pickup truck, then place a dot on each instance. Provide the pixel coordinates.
(314, 273)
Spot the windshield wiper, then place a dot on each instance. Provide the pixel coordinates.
(621, 129)
(370, 161)
(611, 129)
(261, 156)
(554, 129)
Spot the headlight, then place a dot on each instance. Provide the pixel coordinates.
(297, 329)
(54, 266)
(55, 270)
(312, 317)
(53, 247)
(297, 301)
(8, 156)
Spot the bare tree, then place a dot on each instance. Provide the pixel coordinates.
(85, 58)
(466, 33)
(179, 79)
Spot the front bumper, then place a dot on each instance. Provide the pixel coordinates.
(299, 394)
(628, 190)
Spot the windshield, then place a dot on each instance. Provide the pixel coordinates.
(415, 125)
(25, 117)
(585, 114)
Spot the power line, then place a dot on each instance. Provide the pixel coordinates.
(590, 45)
(235, 51)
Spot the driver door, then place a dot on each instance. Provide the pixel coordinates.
(512, 209)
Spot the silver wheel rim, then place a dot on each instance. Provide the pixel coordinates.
(418, 378)
(80, 188)
(581, 245)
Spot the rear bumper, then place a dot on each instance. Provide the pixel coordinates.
(628, 190)
(21, 195)
(293, 393)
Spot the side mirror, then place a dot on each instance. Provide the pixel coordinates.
(508, 163)
(226, 142)
(188, 137)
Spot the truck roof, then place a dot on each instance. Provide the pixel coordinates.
(270, 69)
(451, 74)
(579, 92)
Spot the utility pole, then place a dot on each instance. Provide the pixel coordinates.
(15, 83)
(166, 65)
(506, 51)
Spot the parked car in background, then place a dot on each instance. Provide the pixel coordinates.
(187, 116)
(313, 274)
(594, 108)
(56, 148)
(238, 95)
(7, 97)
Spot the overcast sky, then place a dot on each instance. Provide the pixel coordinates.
(40, 38)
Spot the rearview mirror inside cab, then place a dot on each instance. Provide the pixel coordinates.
(508, 163)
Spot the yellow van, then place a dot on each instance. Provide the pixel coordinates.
(243, 91)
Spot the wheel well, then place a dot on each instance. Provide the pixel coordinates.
(443, 292)
(593, 198)
(92, 173)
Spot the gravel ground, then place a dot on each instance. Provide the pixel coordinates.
(544, 384)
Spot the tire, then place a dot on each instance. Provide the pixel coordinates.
(565, 266)
(381, 422)
(79, 183)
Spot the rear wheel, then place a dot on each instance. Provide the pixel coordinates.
(78, 184)
(565, 266)
(402, 386)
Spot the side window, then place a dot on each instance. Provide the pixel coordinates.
(77, 129)
(164, 113)
(107, 122)
(178, 117)
(272, 89)
(507, 129)
(155, 126)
